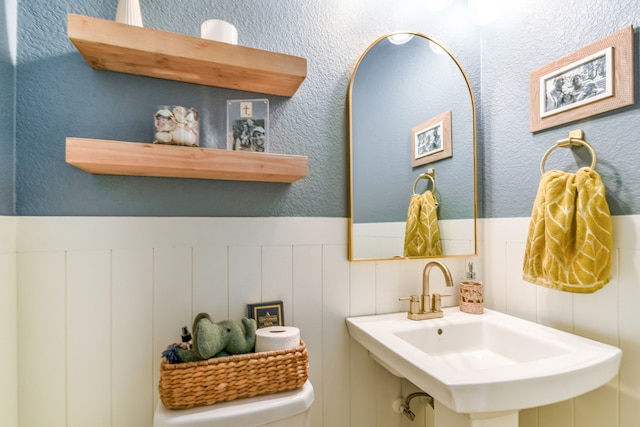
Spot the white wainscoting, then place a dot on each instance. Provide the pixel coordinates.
(610, 315)
(99, 298)
(8, 323)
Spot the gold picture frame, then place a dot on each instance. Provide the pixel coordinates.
(431, 140)
(266, 313)
(589, 81)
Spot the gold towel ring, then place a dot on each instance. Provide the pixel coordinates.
(431, 175)
(576, 138)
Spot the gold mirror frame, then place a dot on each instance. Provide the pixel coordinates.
(474, 244)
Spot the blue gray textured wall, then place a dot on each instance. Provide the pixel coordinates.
(530, 36)
(7, 106)
(58, 95)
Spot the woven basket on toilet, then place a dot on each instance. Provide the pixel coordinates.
(221, 379)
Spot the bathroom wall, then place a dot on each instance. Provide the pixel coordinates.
(66, 97)
(513, 47)
(8, 20)
(8, 322)
(609, 315)
(98, 297)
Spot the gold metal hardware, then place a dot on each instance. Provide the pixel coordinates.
(430, 306)
(576, 139)
(430, 175)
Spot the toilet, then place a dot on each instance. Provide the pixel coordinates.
(284, 409)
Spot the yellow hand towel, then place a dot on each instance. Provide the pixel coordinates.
(570, 241)
(422, 236)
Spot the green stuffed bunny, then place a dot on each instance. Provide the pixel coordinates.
(223, 338)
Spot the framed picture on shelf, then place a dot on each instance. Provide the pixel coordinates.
(248, 125)
(431, 140)
(266, 313)
(589, 81)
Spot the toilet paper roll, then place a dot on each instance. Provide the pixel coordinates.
(277, 338)
(219, 30)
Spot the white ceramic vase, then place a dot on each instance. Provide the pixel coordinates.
(128, 12)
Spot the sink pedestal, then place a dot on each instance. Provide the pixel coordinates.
(445, 417)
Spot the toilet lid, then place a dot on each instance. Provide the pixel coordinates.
(239, 413)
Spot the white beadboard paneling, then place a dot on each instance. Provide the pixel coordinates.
(592, 312)
(245, 279)
(42, 337)
(8, 232)
(9, 322)
(89, 338)
(529, 418)
(388, 388)
(363, 386)
(277, 280)
(160, 280)
(362, 299)
(387, 284)
(210, 282)
(605, 399)
(521, 295)
(558, 414)
(132, 337)
(172, 299)
(409, 280)
(629, 321)
(77, 233)
(307, 316)
(554, 308)
(335, 352)
(494, 275)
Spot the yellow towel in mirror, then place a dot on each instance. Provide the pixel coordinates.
(569, 244)
(422, 235)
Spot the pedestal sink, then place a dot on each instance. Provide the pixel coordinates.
(482, 369)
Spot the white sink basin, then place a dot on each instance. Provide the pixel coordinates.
(486, 363)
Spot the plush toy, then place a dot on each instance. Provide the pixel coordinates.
(212, 339)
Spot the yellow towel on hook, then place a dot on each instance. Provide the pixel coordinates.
(422, 236)
(570, 241)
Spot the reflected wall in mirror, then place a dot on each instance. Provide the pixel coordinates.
(394, 88)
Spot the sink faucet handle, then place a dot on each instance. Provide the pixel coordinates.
(436, 301)
(414, 303)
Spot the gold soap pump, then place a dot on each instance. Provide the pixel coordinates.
(471, 293)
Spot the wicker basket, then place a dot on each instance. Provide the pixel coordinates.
(471, 297)
(220, 379)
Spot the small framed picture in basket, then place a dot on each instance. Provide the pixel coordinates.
(248, 125)
(266, 313)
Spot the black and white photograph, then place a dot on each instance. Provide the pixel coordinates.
(581, 82)
(248, 125)
(431, 140)
(592, 80)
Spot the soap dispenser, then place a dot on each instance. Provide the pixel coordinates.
(471, 293)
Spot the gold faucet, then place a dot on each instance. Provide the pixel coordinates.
(425, 307)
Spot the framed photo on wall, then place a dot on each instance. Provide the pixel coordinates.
(592, 80)
(431, 140)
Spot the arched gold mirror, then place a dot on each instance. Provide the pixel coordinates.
(411, 113)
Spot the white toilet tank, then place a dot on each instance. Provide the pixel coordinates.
(285, 409)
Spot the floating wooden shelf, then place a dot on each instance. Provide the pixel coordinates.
(112, 46)
(105, 157)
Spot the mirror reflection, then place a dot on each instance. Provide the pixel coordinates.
(412, 129)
